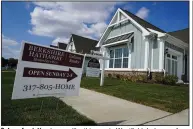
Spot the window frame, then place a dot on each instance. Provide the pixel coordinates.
(171, 63)
(122, 57)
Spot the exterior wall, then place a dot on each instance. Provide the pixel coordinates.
(137, 48)
(69, 48)
(156, 49)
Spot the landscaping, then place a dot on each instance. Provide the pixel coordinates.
(29, 111)
(165, 97)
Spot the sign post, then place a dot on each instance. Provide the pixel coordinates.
(102, 71)
(44, 71)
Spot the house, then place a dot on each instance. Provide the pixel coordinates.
(133, 44)
(79, 44)
(60, 46)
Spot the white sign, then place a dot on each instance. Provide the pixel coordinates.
(44, 71)
(93, 68)
(98, 53)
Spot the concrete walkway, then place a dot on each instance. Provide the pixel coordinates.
(109, 110)
(180, 118)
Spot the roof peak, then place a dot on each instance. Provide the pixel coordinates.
(151, 26)
(84, 37)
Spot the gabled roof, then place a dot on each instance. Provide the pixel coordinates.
(181, 34)
(83, 44)
(142, 22)
(62, 45)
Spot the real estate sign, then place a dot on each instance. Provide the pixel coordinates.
(93, 68)
(44, 71)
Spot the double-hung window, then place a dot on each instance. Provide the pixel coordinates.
(119, 57)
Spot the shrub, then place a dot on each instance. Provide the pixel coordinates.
(109, 75)
(170, 80)
(143, 78)
(158, 78)
(118, 76)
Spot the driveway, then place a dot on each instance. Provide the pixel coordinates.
(109, 110)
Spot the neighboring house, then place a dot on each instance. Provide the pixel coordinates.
(79, 44)
(60, 46)
(134, 44)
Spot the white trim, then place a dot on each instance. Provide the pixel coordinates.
(160, 34)
(111, 25)
(145, 32)
(129, 69)
(118, 42)
(130, 48)
(151, 54)
(183, 59)
(106, 30)
(146, 53)
(160, 54)
(119, 35)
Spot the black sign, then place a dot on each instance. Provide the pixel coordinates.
(94, 63)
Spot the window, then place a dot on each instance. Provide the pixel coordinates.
(171, 64)
(119, 57)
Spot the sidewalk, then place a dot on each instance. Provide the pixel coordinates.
(180, 118)
(109, 110)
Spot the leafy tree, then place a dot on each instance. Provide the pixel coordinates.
(4, 62)
(12, 62)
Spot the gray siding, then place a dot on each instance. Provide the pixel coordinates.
(156, 52)
(138, 52)
(138, 47)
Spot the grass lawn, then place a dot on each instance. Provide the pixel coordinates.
(168, 98)
(27, 111)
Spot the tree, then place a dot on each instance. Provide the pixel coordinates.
(4, 62)
(12, 62)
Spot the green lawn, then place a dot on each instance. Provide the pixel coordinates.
(168, 98)
(27, 111)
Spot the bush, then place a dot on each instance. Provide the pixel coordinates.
(118, 76)
(142, 78)
(110, 75)
(158, 78)
(170, 80)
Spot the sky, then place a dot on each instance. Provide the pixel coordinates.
(47, 23)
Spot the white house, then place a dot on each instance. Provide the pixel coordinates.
(134, 44)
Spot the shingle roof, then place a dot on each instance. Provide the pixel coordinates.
(62, 45)
(83, 44)
(142, 22)
(181, 34)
